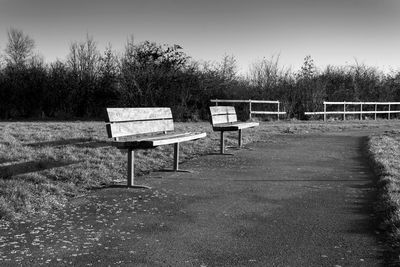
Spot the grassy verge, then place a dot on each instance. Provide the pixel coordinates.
(384, 150)
(43, 164)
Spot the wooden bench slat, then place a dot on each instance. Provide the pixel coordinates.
(234, 126)
(189, 137)
(137, 114)
(159, 140)
(154, 138)
(157, 137)
(226, 118)
(223, 114)
(218, 110)
(138, 127)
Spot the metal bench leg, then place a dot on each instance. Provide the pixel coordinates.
(240, 138)
(131, 167)
(222, 143)
(176, 159)
(176, 156)
(222, 147)
(131, 171)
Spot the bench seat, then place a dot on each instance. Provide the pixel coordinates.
(154, 141)
(234, 126)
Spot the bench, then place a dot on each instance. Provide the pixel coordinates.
(224, 119)
(144, 128)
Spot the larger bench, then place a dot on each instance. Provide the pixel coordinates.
(224, 119)
(144, 128)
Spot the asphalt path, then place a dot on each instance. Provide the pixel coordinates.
(293, 200)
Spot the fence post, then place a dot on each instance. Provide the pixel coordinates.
(250, 109)
(344, 111)
(361, 112)
(216, 102)
(376, 109)
(389, 113)
(278, 110)
(324, 111)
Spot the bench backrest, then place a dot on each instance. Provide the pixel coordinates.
(223, 114)
(132, 121)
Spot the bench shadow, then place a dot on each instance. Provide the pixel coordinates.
(79, 142)
(100, 187)
(32, 166)
(113, 186)
(2, 160)
(219, 154)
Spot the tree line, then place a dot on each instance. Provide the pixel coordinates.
(149, 74)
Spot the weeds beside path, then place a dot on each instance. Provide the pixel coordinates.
(43, 164)
(384, 151)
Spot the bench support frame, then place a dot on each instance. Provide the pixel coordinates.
(222, 145)
(240, 138)
(222, 150)
(131, 171)
(131, 167)
(175, 167)
(176, 156)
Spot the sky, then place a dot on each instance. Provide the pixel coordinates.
(333, 32)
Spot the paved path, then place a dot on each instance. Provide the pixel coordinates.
(296, 200)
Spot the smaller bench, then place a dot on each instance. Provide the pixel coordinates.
(224, 119)
(144, 128)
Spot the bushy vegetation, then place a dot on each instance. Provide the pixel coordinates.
(151, 74)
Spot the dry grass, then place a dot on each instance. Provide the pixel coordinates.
(385, 154)
(43, 164)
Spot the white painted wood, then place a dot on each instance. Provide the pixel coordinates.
(265, 101)
(250, 102)
(269, 112)
(244, 101)
(364, 103)
(352, 112)
(361, 110)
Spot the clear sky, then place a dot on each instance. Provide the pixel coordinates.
(332, 31)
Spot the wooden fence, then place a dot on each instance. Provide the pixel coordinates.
(360, 110)
(250, 102)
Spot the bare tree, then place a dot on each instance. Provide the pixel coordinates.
(19, 48)
(265, 73)
(83, 61)
(228, 67)
(84, 57)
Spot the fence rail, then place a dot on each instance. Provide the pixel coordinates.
(361, 112)
(250, 102)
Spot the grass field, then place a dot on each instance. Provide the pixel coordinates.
(44, 164)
